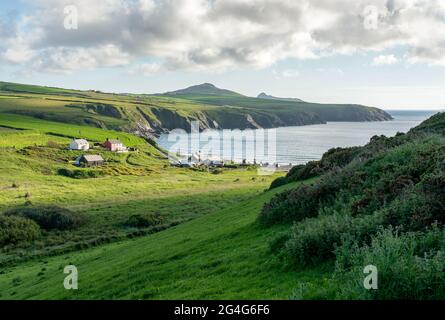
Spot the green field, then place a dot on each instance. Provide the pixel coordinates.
(223, 255)
(33, 153)
(69, 131)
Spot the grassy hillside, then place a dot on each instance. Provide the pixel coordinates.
(134, 194)
(153, 114)
(58, 129)
(223, 255)
(381, 204)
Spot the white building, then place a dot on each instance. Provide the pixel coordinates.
(79, 144)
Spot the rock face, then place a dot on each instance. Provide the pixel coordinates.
(231, 110)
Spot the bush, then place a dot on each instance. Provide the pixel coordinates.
(14, 230)
(216, 171)
(49, 218)
(405, 269)
(80, 174)
(144, 221)
(315, 240)
(334, 158)
(278, 182)
(414, 211)
(301, 202)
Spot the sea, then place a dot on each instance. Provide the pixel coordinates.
(286, 145)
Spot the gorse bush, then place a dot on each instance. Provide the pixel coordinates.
(80, 174)
(144, 221)
(281, 181)
(15, 230)
(408, 268)
(301, 202)
(333, 159)
(314, 240)
(49, 217)
(371, 184)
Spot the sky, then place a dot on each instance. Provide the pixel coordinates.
(384, 53)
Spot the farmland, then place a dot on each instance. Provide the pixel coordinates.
(33, 156)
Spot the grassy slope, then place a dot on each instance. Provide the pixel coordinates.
(169, 112)
(146, 184)
(223, 255)
(71, 131)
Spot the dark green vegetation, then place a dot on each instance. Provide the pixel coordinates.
(153, 114)
(49, 217)
(381, 204)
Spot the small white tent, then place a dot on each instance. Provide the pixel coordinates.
(79, 144)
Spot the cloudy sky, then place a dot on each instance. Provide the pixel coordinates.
(385, 53)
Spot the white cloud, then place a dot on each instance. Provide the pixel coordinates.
(145, 69)
(66, 60)
(385, 60)
(219, 34)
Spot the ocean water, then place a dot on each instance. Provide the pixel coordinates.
(287, 145)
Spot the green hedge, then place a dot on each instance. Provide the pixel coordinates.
(49, 217)
(15, 230)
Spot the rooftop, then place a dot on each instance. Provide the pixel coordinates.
(93, 157)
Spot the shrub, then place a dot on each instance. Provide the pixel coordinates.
(301, 202)
(414, 211)
(334, 158)
(315, 240)
(14, 230)
(50, 217)
(216, 171)
(278, 182)
(339, 157)
(79, 174)
(144, 221)
(405, 269)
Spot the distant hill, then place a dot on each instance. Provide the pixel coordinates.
(202, 89)
(149, 114)
(263, 95)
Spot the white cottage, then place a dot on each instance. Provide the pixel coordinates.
(79, 144)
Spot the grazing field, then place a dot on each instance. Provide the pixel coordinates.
(28, 138)
(69, 131)
(223, 255)
(38, 171)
